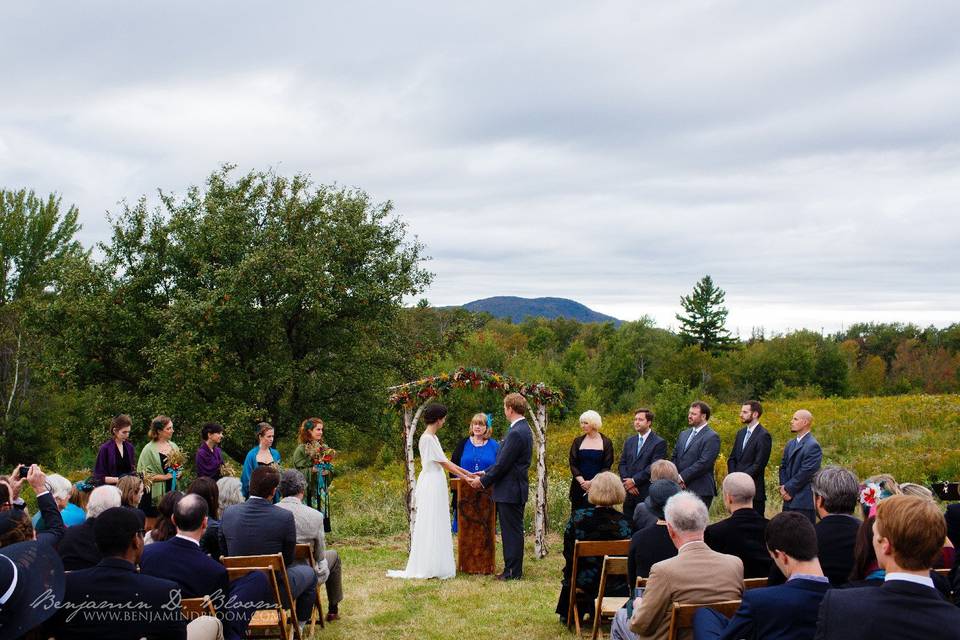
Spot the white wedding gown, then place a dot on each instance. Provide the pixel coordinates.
(431, 550)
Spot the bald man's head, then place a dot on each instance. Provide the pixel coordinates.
(738, 490)
(801, 421)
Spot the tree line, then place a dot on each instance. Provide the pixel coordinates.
(258, 297)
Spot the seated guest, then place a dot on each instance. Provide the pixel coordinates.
(784, 612)
(131, 493)
(60, 488)
(15, 525)
(659, 470)
(866, 570)
(258, 527)
(907, 536)
(948, 553)
(696, 575)
(741, 534)
(835, 496)
(163, 528)
(952, 517)
(293, 487)
(652, 544)
(599, 521)
(181, 560)
(30, 574)
(207, 489)
(78, 549)
(230, 493)
(140, 603)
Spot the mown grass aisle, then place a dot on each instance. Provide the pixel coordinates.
(463, 607)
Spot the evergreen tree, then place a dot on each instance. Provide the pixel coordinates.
(705, 317)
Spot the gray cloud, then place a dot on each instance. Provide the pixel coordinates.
(807, 155)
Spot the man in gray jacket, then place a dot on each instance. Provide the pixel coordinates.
(309, 523)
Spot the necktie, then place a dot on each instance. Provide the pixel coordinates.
(746, 437)
(639, 444)
(686, 446)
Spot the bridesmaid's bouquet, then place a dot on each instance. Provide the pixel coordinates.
(321, 455)
(228, 470)
(175, 461)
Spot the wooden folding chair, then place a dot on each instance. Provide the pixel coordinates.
(195, 607)
(583, 549)
(943, 572)
(269, 618)
(304, 553)
(607, 606)
(682, 615)
(754, 583)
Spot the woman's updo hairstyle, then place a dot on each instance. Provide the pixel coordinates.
(262, 428)
(122, 421)
(434, 412)
(306, 427)
(157, 425)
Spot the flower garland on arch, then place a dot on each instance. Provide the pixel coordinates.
(412, 393)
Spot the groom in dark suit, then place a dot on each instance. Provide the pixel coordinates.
(801, 460)
(639, 452)
(696, 452)
(751, 451)
(508, 476)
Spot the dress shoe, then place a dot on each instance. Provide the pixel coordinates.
(506, 576)
(330, 617)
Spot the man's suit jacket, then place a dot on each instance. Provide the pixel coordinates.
(258, 527)
(695, 465)
(899, 610)
(116, 581)
(508, 475)
(741, 535)
(696, 574)
(637, 466)
(183, 562)
(787, 612)
(836, 538)
(800, 462)
(753, 459)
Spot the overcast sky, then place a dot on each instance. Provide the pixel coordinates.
(805, 154)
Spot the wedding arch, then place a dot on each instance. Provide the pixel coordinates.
(414, 396)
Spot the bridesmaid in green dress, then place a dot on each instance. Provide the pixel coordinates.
(309, 459)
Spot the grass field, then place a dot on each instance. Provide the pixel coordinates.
(912, 437)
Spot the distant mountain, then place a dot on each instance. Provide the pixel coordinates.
(519, 308)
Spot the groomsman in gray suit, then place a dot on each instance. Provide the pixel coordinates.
(639, 452)
(696, 452)
(751, 451)
(801, 460)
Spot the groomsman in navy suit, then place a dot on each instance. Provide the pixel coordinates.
(751, 451)
(639, 452)
(801, 460)
(696, 452)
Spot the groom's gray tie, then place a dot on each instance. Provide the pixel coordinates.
(746, 436)
(687, 446)
(639, 444)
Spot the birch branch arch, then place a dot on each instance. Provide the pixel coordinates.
(411, 398)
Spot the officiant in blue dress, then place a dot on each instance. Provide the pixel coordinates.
(590, 454)
(476, 452)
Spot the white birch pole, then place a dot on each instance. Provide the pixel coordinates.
(539, 417)
(410, 420)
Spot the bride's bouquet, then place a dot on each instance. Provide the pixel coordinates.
(321, 455)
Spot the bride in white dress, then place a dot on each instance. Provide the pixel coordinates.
(431, 549)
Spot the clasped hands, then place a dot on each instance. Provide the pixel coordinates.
(631, 487)
(474, 480)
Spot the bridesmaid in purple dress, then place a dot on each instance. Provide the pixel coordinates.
(116, 456)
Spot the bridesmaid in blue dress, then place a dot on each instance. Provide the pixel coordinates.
(590, 454)
(476, 452)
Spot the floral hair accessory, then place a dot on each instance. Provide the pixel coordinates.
(872, 493)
